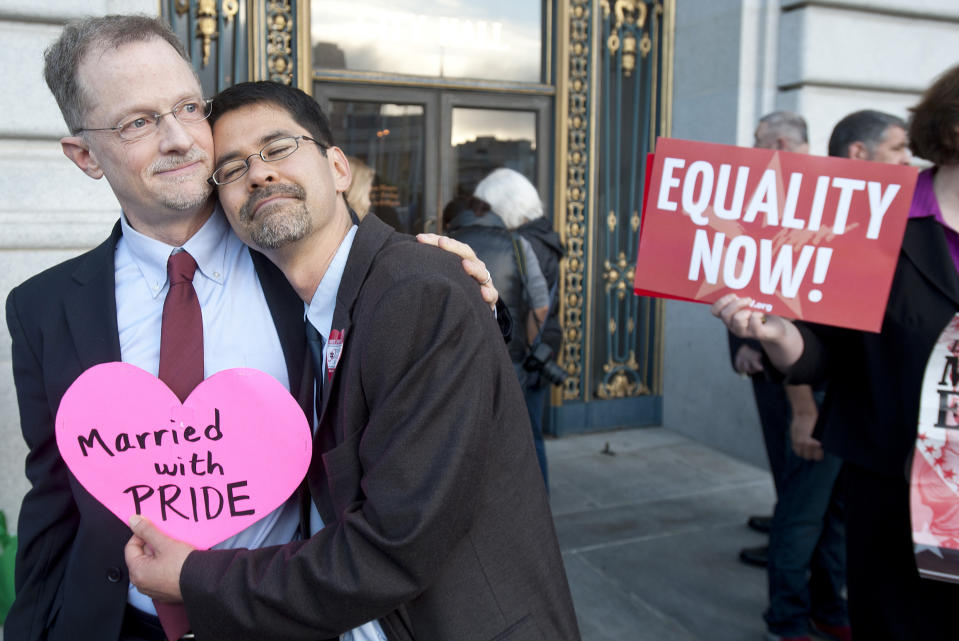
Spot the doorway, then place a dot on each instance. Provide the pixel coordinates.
(427, 145)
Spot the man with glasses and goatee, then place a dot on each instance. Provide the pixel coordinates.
(429, 518)
(137, 117)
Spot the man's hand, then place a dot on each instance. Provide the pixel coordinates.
(154, 561)
(748, 360)
(804, 415)
(471, 264)
(804, 445)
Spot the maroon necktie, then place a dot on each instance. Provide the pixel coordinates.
(181, 332)
(181, 368)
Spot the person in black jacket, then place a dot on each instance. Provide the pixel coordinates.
(515, 269)
(517, 202)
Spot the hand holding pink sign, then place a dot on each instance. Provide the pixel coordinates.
(203, 470)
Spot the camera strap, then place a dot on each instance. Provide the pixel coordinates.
(521, 264)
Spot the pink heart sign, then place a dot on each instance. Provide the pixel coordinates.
(202, 470)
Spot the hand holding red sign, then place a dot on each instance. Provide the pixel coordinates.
(803, 236)
(202, 470)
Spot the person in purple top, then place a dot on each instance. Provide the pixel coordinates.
(871, 409)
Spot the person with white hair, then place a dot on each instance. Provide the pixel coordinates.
(514, 198)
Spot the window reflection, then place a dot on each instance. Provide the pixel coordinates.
(484, 139)
(494, 39)
(390, 139)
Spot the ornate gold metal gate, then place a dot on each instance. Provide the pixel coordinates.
(613, 91)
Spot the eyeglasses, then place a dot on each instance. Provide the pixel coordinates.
(143, 124)
(277, 150)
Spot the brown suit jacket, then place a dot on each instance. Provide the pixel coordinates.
(437, 520)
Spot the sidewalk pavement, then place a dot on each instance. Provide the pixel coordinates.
(650, 524)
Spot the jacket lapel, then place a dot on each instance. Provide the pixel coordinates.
(90, 308)
(925, 246)
(370, 237)
(286, 308)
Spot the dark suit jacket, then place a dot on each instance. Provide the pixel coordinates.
(71, 579)
(872, 408)
(437, 521)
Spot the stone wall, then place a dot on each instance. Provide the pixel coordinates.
(50, 211)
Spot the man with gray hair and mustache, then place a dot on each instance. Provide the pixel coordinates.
(871, 135)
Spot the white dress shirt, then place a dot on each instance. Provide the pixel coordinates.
(320, 313)
(238, 331)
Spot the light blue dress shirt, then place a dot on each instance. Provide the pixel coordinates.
(320, 313)
(238, 331)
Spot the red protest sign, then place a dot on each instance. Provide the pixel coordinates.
(806, 237)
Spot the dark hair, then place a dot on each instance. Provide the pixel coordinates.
(301, 107)
(866, 126)
(462, 203)
(933, 130)
(465, 203)
(62, 59)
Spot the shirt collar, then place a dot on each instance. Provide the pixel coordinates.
(320, 310)
(207, 246)
(924, 201)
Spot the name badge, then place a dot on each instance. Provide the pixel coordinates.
(333, 352)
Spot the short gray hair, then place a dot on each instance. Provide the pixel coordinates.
(62, 59)
(511, 195)
(787, 124)
(867, 126)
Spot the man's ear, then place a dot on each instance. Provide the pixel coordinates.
(76, 149)
(342, 177)
(858, 151)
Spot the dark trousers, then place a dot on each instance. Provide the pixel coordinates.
(535, 394)
(887, 599)
(773, 407)
(807, 564)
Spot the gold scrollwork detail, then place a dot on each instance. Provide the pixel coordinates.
(611, 221)
(630, 12)
(613, 42)
(620, 385)
(630, 18)
(645, 45)
(619, 275)
(182, 7)
(229, 8)
(206, 26)
(629, 54)
(622, 379)
(279, 40)
(577, 171)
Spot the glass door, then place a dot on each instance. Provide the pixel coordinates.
(426, 145)
(389, 135)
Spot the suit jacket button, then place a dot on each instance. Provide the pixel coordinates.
(114, 574)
